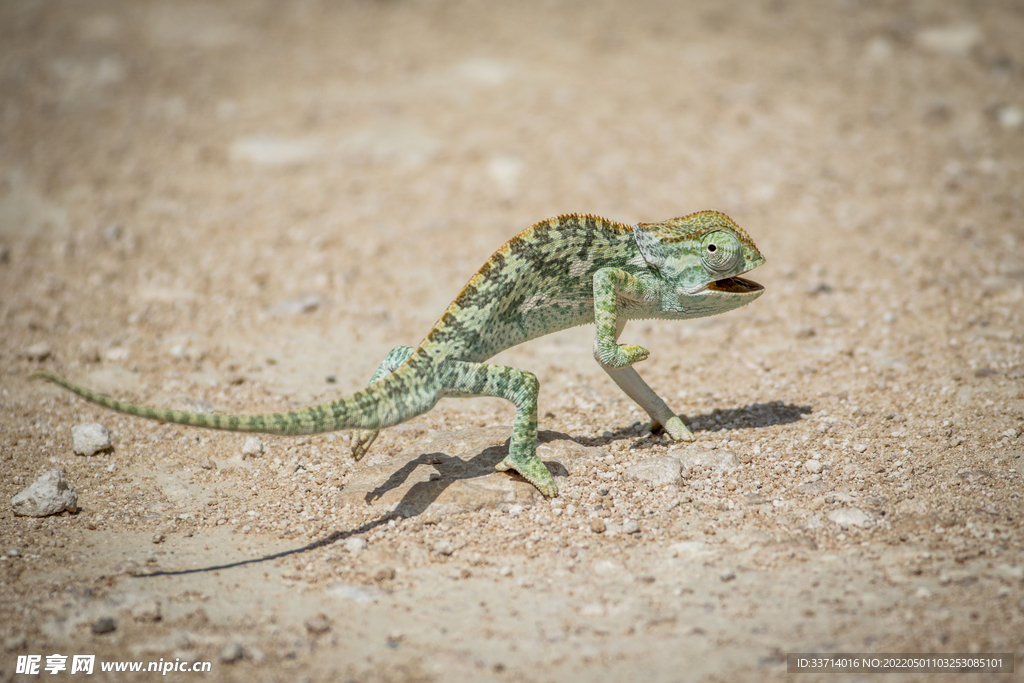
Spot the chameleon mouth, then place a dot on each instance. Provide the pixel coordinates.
(734, 285)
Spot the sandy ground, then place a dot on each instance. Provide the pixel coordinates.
(227, 205)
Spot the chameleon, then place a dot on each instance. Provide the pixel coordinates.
(571, 270)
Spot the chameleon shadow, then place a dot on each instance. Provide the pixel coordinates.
(414, 502)
(753, 416)
(450, 469)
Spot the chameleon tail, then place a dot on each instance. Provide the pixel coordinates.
(401, 396)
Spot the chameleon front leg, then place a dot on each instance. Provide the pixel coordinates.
(465, 379)
(661, 415)
(609, 285)
(362, 439)
(616, 360)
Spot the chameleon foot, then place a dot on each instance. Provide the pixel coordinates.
(676, 429)
(362, 439)
(534, 471)
(620, 355)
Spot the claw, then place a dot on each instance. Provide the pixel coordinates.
(362, 439)
(677, 430)
(533, 471)
(622, 356)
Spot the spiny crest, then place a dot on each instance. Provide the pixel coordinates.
(582, 218)
(694, 226)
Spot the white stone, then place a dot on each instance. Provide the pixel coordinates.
(90, 438)
(812, 466)
(252, 447)
(630, 527)
(953, 41)
(38, 352)
(847, 517)
(859, 447)
(50, 494)
(355, 544)
(720, 461)
(1011, 117)
(660, 471)
(232, 652)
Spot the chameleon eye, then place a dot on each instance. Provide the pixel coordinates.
(722, 251)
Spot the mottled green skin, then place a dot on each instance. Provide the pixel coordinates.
(559, 273)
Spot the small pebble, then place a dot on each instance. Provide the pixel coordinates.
(859, 447)
(812, 466)
(727, 575)
(597, 525)
(158, 538)
(847, 517)
(90, 438)
(318, 625)
(355, 544)
(1011, 117)
(252, 447)
(104, 625)
(630, 527)
(660, 471)
(232, 652)
(38, 352)
(954, 40)
(444, 547)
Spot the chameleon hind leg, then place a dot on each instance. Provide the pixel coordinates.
(362, 439)
(465, 379)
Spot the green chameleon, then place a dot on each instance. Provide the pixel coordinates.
(560, 273)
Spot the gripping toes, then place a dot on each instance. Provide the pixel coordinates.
(362, 439)
(677, 430)
(620, 356)
(533, 471)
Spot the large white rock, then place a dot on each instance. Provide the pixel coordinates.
(90, 438)
(50, 494)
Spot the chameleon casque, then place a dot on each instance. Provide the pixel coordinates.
(560, 273)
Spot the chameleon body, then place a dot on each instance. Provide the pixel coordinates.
(559, 273)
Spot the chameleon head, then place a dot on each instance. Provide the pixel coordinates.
(701, 255)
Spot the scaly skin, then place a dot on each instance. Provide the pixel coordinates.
(560, 273)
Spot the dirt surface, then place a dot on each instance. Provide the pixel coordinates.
(243, 206)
